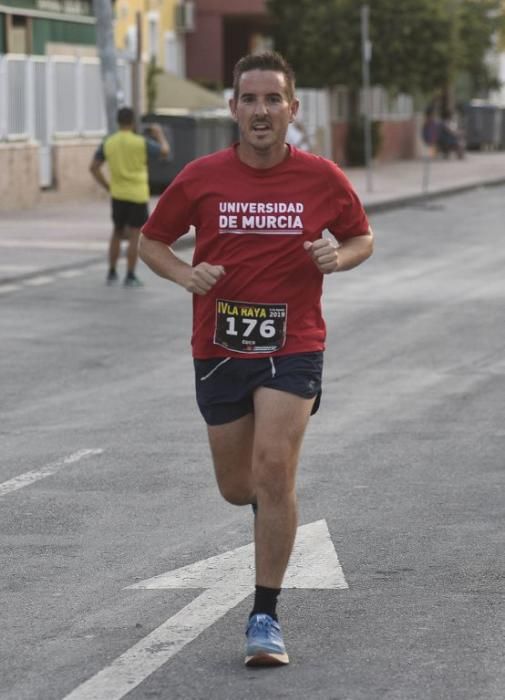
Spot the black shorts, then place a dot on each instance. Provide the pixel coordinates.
(129, 214)
(225, 385)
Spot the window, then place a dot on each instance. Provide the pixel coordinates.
(152, 35)
(174, 54)
(18, 36)
(130, 42)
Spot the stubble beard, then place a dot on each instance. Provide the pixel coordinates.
(259, 146)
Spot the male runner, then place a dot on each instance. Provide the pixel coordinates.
(259, 209)
(127, 154)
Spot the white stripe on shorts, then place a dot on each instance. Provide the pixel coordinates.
(202, 379)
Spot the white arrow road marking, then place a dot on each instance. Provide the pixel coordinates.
(229, 579)
(313, 564)
(30, 477)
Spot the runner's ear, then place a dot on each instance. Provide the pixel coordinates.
(232, 104)
(294, 107)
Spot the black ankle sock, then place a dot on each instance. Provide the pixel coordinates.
(130, 274)
(265, 601)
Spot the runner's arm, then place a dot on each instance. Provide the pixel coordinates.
(165, 263)
(351, 252)
(157, 133)
(95, 169)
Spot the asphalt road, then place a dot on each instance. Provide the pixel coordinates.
(404, 463)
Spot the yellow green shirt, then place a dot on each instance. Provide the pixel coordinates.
(126, 155)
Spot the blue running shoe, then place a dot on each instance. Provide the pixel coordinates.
(265, 646)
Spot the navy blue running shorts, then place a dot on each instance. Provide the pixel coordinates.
(129, 214)
(225, 385)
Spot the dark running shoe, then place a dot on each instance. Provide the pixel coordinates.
(265, 646)
(111, 277)
(132, 281)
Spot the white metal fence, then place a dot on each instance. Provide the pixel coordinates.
(320, 108)
(381, 105)
(43, 98)
(314, 114)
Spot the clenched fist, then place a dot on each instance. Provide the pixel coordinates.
(324, 253)
(203, 277)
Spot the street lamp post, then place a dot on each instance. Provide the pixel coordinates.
(105, 43)
(138, 71)
(366, 55)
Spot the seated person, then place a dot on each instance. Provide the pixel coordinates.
(450, 139)
(442, 135)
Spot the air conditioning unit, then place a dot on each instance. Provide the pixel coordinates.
(185, 17)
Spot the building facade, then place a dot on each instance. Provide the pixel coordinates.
(45, 27)
(223, 31)
(160, 24)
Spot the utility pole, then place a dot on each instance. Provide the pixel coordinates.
(138, 71)
(366, 55)
(102, 10)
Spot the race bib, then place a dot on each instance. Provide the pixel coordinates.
(246, 327)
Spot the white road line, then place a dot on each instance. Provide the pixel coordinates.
(140, 661)
(38, 281)
(69, 274)
(20, 269)
(54, 245)
(5, 288)
(229, 579)
(18, 482)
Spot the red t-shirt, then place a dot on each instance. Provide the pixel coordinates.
(254, 222)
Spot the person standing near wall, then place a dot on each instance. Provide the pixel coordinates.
(126, 154)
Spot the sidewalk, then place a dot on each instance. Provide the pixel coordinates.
(56, 238)
(404, 182)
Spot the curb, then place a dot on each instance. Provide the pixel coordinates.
(408, 200)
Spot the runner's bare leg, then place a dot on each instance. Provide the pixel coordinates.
(280, 422)
(231, 448)
(114, 248)
(255, 458)
(133, 244)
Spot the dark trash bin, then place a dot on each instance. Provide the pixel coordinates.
(190, 135)
(502, 128)
(483, 126)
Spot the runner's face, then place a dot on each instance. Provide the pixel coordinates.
(263, 109)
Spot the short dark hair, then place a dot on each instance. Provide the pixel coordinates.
(267, 60)
(125, 116)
